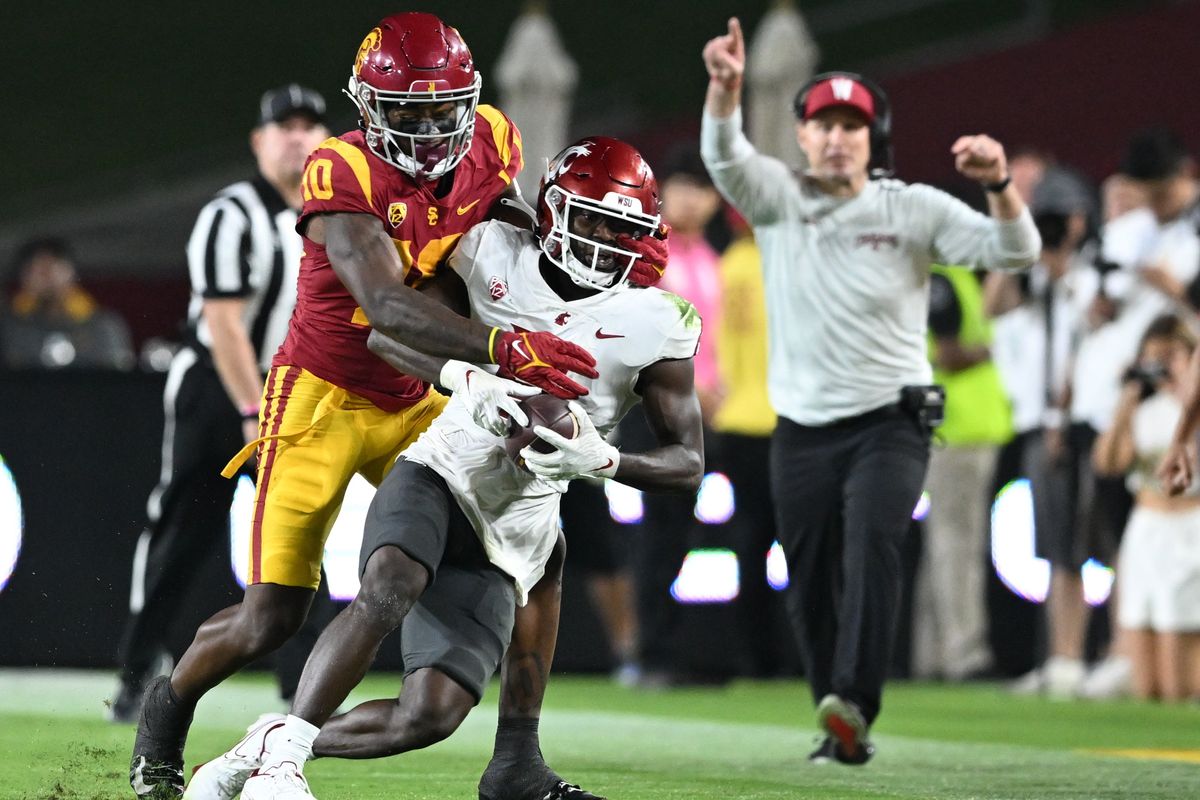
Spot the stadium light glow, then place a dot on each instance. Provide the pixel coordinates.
(624, 503)
(921, 510)
(341, 549)
(708, 575)
(12, 524)
(1025, 574)
(777, 571)
(714, 501)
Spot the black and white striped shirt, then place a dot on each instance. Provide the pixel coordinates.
(245, 245)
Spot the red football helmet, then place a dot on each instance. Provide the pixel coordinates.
(410, 63)
(599, 179)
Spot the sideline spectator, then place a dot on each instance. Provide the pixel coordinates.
(1159, 572)
(53, 322)
(950, 615)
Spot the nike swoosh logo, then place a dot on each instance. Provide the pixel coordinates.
(606, 466)
(517, 346)
(464, 209)
(600, 334)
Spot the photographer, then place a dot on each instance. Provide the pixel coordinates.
(1159, 576)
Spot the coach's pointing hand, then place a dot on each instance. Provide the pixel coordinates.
(725, 60)
(980, 158)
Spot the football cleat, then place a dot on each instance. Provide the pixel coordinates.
(569, 791)
(155, 780)
(826, 753)
(223, 777)
(528, 780)
(844, 723)
(278, 782)
(156, 767)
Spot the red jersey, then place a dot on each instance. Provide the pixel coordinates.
(328, 332)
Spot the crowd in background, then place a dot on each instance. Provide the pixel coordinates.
(1070, 375)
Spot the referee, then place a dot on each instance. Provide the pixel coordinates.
(846, 265)
(243, 260)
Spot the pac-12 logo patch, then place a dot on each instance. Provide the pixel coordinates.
(497, 288)
(397, 212)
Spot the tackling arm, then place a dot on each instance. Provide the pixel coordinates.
(366, 262)
(485, 395)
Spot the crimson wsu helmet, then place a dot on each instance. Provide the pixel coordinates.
(596, 176)
(406, 61)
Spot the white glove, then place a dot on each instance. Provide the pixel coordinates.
(585, 456)
(487, 395)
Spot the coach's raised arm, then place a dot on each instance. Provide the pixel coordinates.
(846, 265)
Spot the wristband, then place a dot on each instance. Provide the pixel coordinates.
(249, 411)
(998, 186)
(492, 345)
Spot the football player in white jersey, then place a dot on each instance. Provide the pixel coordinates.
(458, 533)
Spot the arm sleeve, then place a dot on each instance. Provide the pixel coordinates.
(961, 235)
(218, 251)
(945, 313)
(756, 185)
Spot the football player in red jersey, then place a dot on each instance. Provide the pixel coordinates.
(383, 207)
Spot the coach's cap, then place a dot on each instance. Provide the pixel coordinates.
(840, 91)
(279, 104)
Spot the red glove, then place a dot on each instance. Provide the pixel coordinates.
(542, 360)
(651, 263)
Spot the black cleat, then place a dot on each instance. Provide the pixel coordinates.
(844, 724)
(826, 753)
(528, 780)
(156, 768)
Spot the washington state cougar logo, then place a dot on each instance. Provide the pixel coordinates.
(497, 288)
(556, 168)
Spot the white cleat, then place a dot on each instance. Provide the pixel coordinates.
(279, 782)
(223, 777)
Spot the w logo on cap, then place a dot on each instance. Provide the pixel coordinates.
(842, 88)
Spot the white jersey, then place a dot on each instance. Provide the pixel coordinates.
(514, 512)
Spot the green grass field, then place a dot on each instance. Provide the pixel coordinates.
(748, 740)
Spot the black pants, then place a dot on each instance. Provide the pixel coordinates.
(844, 496)
(188, 516)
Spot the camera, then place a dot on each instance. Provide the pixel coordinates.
(1149, 375)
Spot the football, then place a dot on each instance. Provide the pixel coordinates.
(544, 410)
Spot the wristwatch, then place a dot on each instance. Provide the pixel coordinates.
(998, 186)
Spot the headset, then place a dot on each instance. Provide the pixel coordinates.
(881, 164)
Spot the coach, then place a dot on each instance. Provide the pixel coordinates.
(243, 259)
(846, 263)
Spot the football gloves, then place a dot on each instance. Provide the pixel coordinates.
(652, 251)
(488, 398)
(542, 359)
(585, 456)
